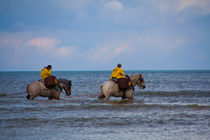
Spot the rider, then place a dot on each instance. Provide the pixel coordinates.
(118, 76)
(117, 73)
(46, 72)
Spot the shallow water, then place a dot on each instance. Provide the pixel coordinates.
(174, 105)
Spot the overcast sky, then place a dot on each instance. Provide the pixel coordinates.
(99, 34)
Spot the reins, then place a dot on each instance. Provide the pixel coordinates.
(131, 82)
(140, 79)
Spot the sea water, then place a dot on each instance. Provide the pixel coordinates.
(174, 105)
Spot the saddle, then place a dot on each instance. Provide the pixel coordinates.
(49, 82)
(123, 83)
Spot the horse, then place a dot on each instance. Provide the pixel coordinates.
(38, 88)
(110, 88)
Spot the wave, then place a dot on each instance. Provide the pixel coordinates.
(176, 106)
(175, 93)
(125, 105)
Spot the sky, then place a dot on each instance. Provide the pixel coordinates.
(98, 34)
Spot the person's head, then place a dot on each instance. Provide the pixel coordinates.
(49, 67)
(119, 65)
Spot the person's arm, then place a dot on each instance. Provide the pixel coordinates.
(48, 72)
(122, 72)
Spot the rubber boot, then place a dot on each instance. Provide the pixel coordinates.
(56, 87)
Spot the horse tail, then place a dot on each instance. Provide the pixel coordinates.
(101, 96)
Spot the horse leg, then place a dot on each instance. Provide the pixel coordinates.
(51, 95)
(31, 93)
(129, 94)
(100, 97)
(130, 97)
(107, 96)
(54, 94)
(58, 98)
(30, 97)
(57, 95)
(124, 95)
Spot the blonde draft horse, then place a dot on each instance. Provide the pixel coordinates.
(110, 88)
(38, 88)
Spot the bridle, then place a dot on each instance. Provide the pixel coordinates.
(140, 79)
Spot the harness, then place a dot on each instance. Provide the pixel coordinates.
(131, 82)
(140, 79)
(131, 86)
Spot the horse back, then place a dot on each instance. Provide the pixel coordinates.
(35, 86)
(109, 87)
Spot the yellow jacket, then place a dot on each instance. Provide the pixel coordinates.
(45, 73)
(117, 73)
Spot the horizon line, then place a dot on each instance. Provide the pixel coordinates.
(110, 70)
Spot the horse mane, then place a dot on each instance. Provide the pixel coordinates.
(61, 80)
(135, 75)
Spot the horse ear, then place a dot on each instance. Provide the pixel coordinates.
(69, 81)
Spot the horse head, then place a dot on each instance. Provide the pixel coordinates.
(66, 85)
(140, 82)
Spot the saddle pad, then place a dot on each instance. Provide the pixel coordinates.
(50, 82)
(123, 83)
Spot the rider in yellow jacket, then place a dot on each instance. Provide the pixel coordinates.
(46, 72)
(117, 73)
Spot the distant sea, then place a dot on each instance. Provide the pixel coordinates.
(174, 106)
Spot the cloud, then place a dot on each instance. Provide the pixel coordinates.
(151, 12)
(107, 52)
(50, 45)
(114, 6)
(13, 39)
(65, 51)
(202, 5)
(196, 7)
(6, 41)
(43, 43)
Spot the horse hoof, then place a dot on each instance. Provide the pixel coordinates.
(123, 97)
(101, 97)
(28, 97)
(50, 98)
